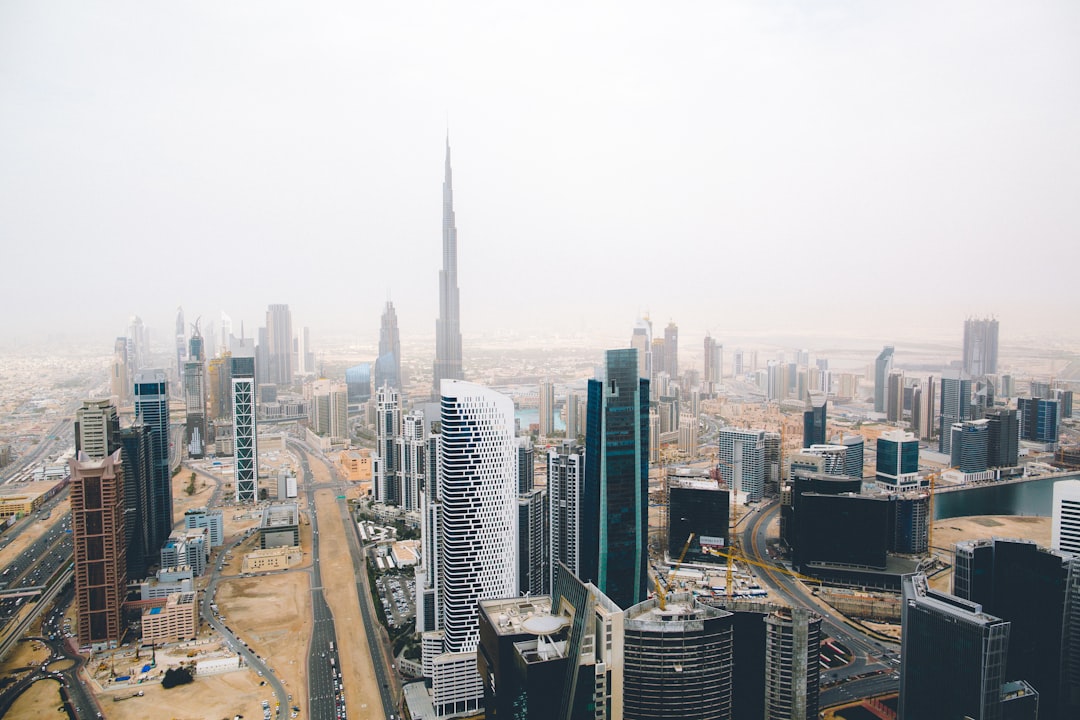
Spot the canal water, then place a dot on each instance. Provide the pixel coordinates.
(1033, 497)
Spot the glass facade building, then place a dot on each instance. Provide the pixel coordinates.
(152, 407)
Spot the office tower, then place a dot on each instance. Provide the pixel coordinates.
(792, 664)
(700, 507)
(1035, 590)
(1039, 419)
(245, 429)
(814, 420)
(97, 429)
(713, 372)
(742, 461)
(547, 408)
(194, 379)
(411, 454)
(980, 347)
(534, 568)
(897, 460)
(952, 653)
(138, 344)
(279, 344)
(955, 407)
(136, 442)
(181, 342)
(970, 440)
(262, 356)
(924, 409)
(565, 484)
(428, 617)
(448, 326)
(212, 520)
(387, 430)
(358, 382)
(894, 398)
(388, 365)
(641, 340)
(677, 660)
(120, 372)
(152, 407)
(1066, 517)
(738, 369)
(882, 368)
(1065, 398)
(1003, 432)
(910, 523)
(98, 536)
(573, 415)
(1006, 386)
(615, 502)
(329, 409)
(671, 350)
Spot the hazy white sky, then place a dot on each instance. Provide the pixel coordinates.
(885, 167)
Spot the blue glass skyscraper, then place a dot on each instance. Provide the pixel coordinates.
(152, 407)
(614, 527)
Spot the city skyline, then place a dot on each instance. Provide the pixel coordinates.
(834, 140)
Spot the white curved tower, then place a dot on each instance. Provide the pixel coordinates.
(478, 495)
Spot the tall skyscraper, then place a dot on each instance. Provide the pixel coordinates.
(955, 407)
(980, 347)
(386, 487)
(970, 442)
(547, 408)
(1065, 526)
(714, 366)
(1039, 419)
(97, 429)
(97, 529)
(882, 367)
(120, 372)
(742, 461)
(894, 399)
(194, 379)
(181, 342)
(565, 479)
(814, 418)
(671, 350)
(279, 339)
(898, 460)
(137, 443)
(792, 664)
(412, 456)
(329, 409)
(448, 326)
(245, 430)
(574, 415)
(305, 356)
(1003, 438)
(388, 366)
(615, 504)
(152, 407)
(641, 340)
(953, 655)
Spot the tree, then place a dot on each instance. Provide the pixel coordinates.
(176, 676)
(190, 489)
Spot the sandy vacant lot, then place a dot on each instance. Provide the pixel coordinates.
(983, 527)
(41, 701)
(339, 583)
(208, 698)
(272, 614)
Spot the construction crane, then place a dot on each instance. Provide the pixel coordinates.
(663, 585)
(742, 558)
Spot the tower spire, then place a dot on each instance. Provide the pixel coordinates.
(448, 325)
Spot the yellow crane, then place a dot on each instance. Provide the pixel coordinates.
(742, 558)
(663, 585)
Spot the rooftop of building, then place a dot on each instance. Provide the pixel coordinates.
(277, 516)
(522, 615)
(27, 490)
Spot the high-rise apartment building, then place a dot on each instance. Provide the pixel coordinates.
(152, 407)
(448, 326)
(792, 664)
(328, 410)
(955, 407)
(713, 372)
(980, 347)
(615, 501)
(742, 461)
(279, 340)
(574, 416)
(1039, 419)
(181, 342)
(894, 396)
(245, 430)
(953, 655)
(386, 487)
(98, 536)
(194, 379)
(120, 372)
(1003, 432)
(671, 350)
(641, 340)
(388, 365)
(411, 454)
(547, 408)
(1065, 526)
(565, 484)
(882, 368)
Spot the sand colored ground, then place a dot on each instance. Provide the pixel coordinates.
(210, 697)
(339, 584)
(33, 531)
(272, 614)
(182, 502)
(983, 527)
(41, 702)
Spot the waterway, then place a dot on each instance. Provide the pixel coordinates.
(1032, 497)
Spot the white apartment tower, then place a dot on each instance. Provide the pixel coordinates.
(411, 452)
(1066, 519)
(387, 434)
(742, 461)
(566, 473)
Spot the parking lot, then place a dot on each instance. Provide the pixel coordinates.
(397, 594)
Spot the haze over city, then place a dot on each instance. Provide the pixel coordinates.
(754, 168)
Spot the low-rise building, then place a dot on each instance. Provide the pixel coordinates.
(176, 621)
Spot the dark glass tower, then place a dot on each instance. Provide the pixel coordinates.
(448, 326)
(138, 494)
(615, 503)
(814, 420)
(152, 407)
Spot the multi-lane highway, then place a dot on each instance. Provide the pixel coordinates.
(38, 566)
